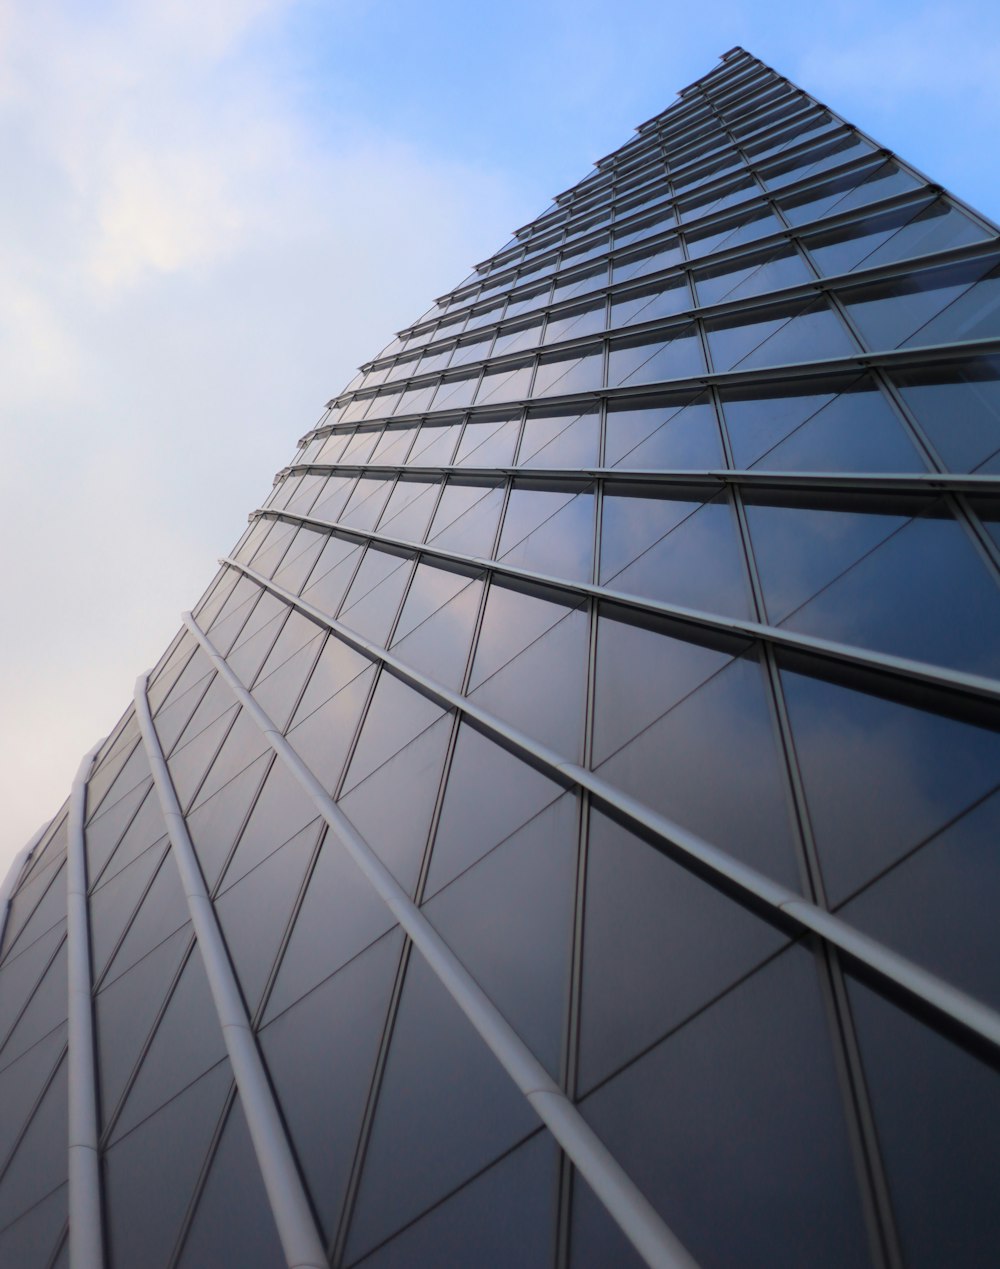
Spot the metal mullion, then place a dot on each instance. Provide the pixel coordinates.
(633, 1213)
(952, 1006)
(86, 1229)
(571, 1032)
(292, 1211)
(858, 1111)
(973, 685)
(873, 1188)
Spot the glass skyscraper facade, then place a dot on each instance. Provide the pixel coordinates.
(565, 833)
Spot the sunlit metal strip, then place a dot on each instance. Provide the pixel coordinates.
(889, 358)
(300, 1237)
(976, 686)
(894, 482)
(636, 1217)
(86, 1230)
(949, 1002)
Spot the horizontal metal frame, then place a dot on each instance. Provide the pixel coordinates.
(628, 1207)
(975, 686)
(86, 1230)
(874, 482)
(756, 304)
(722, 218)
(923, 355)
(733, 174)
(300, 1239)
(955, 1007)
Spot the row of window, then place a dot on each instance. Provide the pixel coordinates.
(668, 210)
(936, 305)
(873, 241)
(829, 424)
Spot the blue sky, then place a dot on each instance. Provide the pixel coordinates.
(214, 210)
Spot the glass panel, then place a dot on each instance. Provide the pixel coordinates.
(253, 913)
(242, 746)
(124, 1013)
(531, 666)
(674, 549)
(146, 1201)
(372, 602)
(489, 442)
(322, 738)
(163, 910)
(32, 1239)
(392, 807)
(879, 777)
(435, 442)
(396, 715)
(562, 439)
(915, 230)
(504, 1217)
(659, 945)
(39, 1162)
(579, 371)
(854, 189)
(938, 1119)
(958, 407)
(233, 1223)
(650, 304)
(669, 435)
(549, 530)
(22, 1083)
(336, 1027)
(332, 574)
(488, 796)
(924, 593)
(724, 725)
(436, 625)
(187, 1042)
(446, 1109)
(801, 548)
(509, 920)
(216, 823)
(575, 323)
(111, 906)
(820, 426)
(466, 519)
(810, 333)
(734, 1128)
(754, 276)
(340, 916)
(954, 934)
(507, 383)
(408, 510)
(902, 310)
(675, 354)
(365, 506)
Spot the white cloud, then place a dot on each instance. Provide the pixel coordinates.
(186, 274)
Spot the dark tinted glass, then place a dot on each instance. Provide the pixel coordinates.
(446, 1109)
(733, 1127)
(938, 1120)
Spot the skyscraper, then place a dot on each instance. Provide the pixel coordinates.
(565, 832)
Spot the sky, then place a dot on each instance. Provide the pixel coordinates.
(213, 212)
